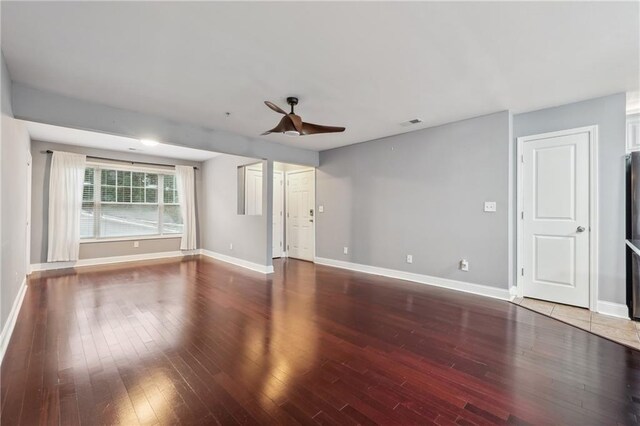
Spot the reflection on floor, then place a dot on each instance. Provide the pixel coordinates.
(199, 341)
(619, 330)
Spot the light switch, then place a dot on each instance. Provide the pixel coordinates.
(490, 206)
(321, 208)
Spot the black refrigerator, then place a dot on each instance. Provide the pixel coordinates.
(633, 234)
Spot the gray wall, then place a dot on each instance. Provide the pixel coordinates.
(250, 235)
(609, 114)
(421, 193)
(40, 204)
(46, 107)
(13, 205)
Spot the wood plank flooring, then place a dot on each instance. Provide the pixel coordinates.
(202, 342)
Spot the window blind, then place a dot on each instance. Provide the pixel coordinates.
(129, 203)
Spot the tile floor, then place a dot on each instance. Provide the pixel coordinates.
(620, 330)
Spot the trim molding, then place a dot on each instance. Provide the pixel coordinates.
(482, 290)
(613, 309)
(110, 260)
(151, 256)
(238, 262)
(7, 330)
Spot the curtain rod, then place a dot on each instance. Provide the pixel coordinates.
(125, 161)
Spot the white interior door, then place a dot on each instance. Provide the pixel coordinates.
(555, 222)
(300, 214)
(253, 192)
(278, 213)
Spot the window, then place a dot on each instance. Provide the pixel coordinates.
(129, 203)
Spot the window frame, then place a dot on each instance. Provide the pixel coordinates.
(97, 202)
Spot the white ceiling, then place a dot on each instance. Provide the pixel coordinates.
(56, 134)
(366, 66)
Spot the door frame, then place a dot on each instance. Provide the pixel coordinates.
(286, 209)
(28, 211)
(593, 207)
(282, 252)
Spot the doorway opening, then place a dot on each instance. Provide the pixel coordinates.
(294, 212)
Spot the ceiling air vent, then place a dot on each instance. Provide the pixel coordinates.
(412, 122)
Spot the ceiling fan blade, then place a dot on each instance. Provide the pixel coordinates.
(297, 122)
(275, 107)
(285, 125)
(310, 129)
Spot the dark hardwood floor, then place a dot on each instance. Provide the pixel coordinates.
(203, 342)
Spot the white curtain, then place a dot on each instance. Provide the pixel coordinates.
(65, 203)
(187, 196)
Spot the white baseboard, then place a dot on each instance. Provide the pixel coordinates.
(150, 256)
(110, 260)
(613, 309)
(238, 262)
(7, 330)
(483, 290)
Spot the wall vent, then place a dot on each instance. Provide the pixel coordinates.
(412, 122)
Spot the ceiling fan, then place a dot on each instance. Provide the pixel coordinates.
(292, 125)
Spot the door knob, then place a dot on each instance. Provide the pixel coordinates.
(580, 229)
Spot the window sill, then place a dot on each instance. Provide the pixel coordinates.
(139, 238)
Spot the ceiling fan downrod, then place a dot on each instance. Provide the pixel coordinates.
(293, 101)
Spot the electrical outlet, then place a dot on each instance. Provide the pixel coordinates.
(230, 246)
(346, 250)
(136, 244)
(490, 206)
(464, 265)
(409, 258)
